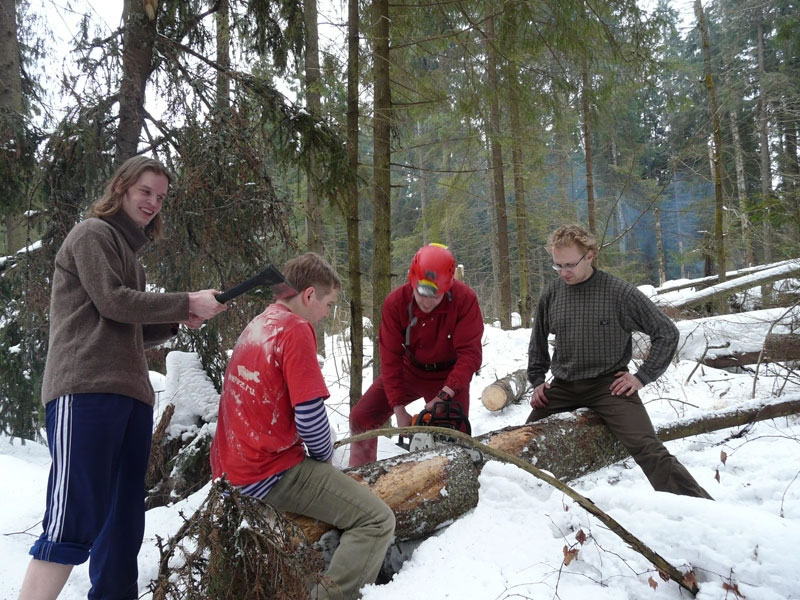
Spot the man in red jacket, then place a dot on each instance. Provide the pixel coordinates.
(430, 347)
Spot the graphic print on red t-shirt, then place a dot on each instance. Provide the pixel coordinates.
(273, 368)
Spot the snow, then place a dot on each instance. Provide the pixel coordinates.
(512, 544)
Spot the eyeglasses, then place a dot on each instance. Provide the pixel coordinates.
(570, 266)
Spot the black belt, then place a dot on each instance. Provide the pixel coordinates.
(437, 366)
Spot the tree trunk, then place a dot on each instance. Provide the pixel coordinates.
(137, 65)
(314, 225)
(521, 214)
(741, 191)
(414, 484)
(382, 258)
(424, 489)
(11, 106)
(662, 269)
(352, 204)
(719, 208)
(587, 142)
(508, 390)
(791, 170)
(763, 134)
(765, 277)
(499, 193)
(222, 20)
(422, 183)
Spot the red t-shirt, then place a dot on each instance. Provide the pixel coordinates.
(273, 368)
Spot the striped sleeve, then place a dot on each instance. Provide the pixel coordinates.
(314, 429)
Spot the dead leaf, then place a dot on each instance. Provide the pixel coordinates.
(690, 579)
(733, 588)
(663, 575)
(717, 476)
(569, 555)
(653, 583)
(723, 456)
(580, 536)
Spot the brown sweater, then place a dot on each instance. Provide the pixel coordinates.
(101, 319)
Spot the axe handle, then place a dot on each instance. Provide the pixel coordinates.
(238, 290)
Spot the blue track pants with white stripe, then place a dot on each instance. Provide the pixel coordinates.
(100, 445)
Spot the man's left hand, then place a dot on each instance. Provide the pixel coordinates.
(447, 390)
(625, 384)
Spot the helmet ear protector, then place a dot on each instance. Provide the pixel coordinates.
(432, 270)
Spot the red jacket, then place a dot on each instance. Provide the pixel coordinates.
(450, 332)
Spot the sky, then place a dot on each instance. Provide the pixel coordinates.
(742, 545)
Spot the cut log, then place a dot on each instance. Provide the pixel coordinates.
(505, 391)
(424, 490)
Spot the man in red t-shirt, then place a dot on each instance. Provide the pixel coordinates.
(430, 347)
(272, 405)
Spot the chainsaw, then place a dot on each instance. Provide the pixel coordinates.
(444, 413)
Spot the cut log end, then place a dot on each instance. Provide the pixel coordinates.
(494, 398)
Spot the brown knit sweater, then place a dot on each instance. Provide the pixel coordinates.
(101, 319)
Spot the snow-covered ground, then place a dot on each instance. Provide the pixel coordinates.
(512, 544)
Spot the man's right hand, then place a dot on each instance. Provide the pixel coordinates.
(538, 399)
(402, 416)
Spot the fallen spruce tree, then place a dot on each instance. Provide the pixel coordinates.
(428, 489)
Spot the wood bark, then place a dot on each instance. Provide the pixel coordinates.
(716, 146)
(741, 190)
(222, 20)
(11, 106)
(498, 188)
(351, 204)
(521, 215)
(137, 66)
(505, 391)
(763, 135)
(662, 268)
(381, 264)
(314, 225)
(587, 142)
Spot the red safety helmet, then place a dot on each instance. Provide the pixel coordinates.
(432, 269)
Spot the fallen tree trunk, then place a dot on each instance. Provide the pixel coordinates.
(784, 271)
(778, 347)
(505, 391)
(430, 488)
(781, 346)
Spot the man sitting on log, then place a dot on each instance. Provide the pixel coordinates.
(272, 404)
(430, 347)
(592, 315)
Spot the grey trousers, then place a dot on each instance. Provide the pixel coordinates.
(320, 491)
(628, 420)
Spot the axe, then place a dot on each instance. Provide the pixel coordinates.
(269, 276)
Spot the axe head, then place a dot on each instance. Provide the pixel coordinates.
(275, 280)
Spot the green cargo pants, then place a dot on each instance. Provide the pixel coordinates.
(320, 491)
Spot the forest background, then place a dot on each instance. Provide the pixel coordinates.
(481, 125)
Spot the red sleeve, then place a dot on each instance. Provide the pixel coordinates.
(466, 339)
(300, 367)
(391, 337)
